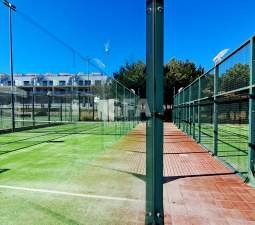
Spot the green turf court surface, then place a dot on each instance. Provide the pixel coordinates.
(70, 174)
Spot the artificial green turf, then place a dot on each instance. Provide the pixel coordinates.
(78, 159)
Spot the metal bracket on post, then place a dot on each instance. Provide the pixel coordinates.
(215, 111)
(154, 129)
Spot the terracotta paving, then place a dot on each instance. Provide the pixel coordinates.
(199, 189)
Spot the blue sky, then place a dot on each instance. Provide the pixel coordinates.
(194, 29)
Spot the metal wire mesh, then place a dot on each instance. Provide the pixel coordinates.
(233, 111)
(109, 102)
(219, 117)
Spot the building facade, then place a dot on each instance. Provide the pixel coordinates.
(58, 83)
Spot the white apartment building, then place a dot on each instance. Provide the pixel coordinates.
(54, 80)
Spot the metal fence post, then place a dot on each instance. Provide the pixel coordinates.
(61, 108)
(79, 106)
(179, 111)
(187, 117)
(49, 106)
(194, 122)
(190, 112)
(251, 158)
(124, 112)
(183, 112)
(23, 110)
(215, 111)
(71, 109)
(33, 108)
(199, 110)
(154, 128)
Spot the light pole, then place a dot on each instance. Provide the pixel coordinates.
(11, 9)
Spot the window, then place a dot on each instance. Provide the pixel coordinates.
(51, 83)
(80, 82)
(87, 82)
(45, 83)
(98, 82)
(26, 83)
(62, 83)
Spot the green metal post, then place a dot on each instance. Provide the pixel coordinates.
(179, 111)
(154, 128)
(61, 109)
(173, 108)
(79, 106)
(215, 111)
(49, 106)
(23, 110)
(251, 162)
(33, 108)
(183, 114)
(193, 121)
(187, 118)
(190, 112)
(199, 110)
(124, 112)
(71, 109)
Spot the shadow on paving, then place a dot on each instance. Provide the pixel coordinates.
(173, 178)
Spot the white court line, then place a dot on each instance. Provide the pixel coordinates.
(68, 193)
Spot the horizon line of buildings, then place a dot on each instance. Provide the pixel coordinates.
(54, 80)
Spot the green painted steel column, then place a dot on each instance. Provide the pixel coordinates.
(187, 118)
(251, 162)
(61, 109)
(33, 107)
(193, 122)
(49, 106)
(215, 111)
(199, 110)
(190, 112)
(183, 112)
(79, 106)
(179, 111)
(154, 128)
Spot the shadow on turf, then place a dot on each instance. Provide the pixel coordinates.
(137, 175)
(3, 170)
(60, 217)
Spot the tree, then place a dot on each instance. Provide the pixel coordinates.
(133, 77)
(235, 77)
(177, 74)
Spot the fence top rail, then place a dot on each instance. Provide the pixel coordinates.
(220, 63)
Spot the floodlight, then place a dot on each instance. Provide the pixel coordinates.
(217, 59)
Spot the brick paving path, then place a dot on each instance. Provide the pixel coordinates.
(199, 189)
